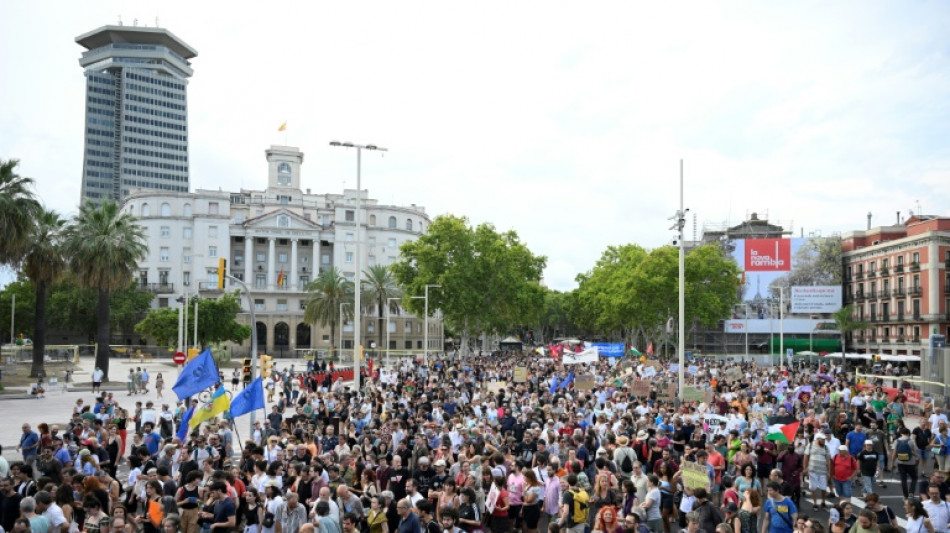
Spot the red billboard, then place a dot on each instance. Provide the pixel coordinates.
(768, 255)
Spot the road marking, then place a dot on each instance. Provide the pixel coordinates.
(858, 503)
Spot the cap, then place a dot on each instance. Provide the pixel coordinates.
(819, 436)
(868, 443)
(83, 453)
(842, 448)
(642, 435)
(440, 462)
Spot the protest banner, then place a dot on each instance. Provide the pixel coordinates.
(648, 372)
(640, 388)
(520, 375)
(584, 382)
(692, 393)
(665, 391)
(695, 476)
(495, 387)
(653, 363)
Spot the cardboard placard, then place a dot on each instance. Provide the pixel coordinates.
(665, 391)
(695, 476)
(584, 382)
(648, 372)
(640, 388)
(520, 374)
(734, 372)
(655, 364)
(495, 387)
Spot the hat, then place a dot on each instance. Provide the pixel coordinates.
(642, 435)
(819, 436)
(440, 462)
(842, 448)
(868, 443)
(623, 440)
(601, 451)
(83, 453)
(731, 507)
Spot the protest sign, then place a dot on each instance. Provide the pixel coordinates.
(495, 387)
(692, 393)
(520, 375)
(640, 388)
(584, 382)
(695, 476)
(648, 372)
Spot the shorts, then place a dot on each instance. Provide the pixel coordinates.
(817, 482)
(96, 384)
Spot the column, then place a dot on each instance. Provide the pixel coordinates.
(315, 267)
(249, 260)
(292, 281)
(271, 262)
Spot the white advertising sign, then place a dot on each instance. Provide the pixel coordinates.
(818, 299)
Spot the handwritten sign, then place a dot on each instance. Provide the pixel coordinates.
(665, 391)
(584, 382)
(693, 394)
(648, 372)
(640, 388)
(695, 476)
(692, 369)
(495, 387)
(520, 374)
(655, 364)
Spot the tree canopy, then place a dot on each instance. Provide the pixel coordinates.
(216, 322)
(490, 281)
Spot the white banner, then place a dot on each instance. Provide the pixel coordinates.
(801, 326)
(589, 355)
(817, 299)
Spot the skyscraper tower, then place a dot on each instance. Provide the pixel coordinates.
(136, 129)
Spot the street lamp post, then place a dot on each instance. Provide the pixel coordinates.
(746, 330)
(250, 309)
(425, 353)
(340, 352)
(388, 314)
(679, 225)
(359, 226)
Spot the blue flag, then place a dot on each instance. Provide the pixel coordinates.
(199, 374)
(553, 388)
(567, 381)
(249, 399)
(183, 427)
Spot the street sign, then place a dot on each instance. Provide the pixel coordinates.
(179, 358)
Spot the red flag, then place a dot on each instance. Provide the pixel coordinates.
(650, 349)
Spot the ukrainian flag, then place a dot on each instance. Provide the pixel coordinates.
(220, 403)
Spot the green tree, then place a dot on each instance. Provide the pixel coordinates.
(160, 325)
(846, 324)
(23, 312)
(378, 287)
(72, 308)
(43, 264)
(18, 207)
(326, 293)
(216, 322)
(554, 319)
(490, 281)
(104, 246)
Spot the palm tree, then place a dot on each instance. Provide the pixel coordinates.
(846, 323)
(379, 286)
(327, 292)
(104, 246)
(18, 206)
(43, 264)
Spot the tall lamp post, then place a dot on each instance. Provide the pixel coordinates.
(341, 326)
(359, 274)
(388, 314)
(680, 223)
(425, 351)
(250, 309)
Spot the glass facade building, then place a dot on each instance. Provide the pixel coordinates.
(136, 128)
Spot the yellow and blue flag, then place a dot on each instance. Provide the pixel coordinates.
(220, 403)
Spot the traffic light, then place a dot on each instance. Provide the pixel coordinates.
(247, 370)
(222, 272)
(267, 364)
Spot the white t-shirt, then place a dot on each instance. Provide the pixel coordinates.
(54, 514)
(97, 375)
(935, 421)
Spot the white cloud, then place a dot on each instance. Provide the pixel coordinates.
(565, 123)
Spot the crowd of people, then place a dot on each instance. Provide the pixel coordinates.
(504, 443)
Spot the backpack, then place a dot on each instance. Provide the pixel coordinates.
(903, 450)
(626, 465)
(579, 509)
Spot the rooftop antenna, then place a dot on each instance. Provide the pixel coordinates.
(156, 22)
(919, 212)
(135, 22)
(120, 20)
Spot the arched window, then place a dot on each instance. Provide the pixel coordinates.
(392, 222)
(166, 210)
(187, 210)
(145, 210)
(409, 224)
(372, 220)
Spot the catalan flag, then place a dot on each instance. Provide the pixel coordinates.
(283, 127)
(220, 403)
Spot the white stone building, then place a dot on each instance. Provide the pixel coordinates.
(276, 240)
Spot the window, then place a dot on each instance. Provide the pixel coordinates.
(186, 254)
(371, 327)
(162, 302)
(283, 221)
(916, 281)
(348, 237)
(163, 254)
(261, 257)
(283, 199)
(325, 259)
(392, 326)
(303, 305)
(372, 220)
(392, 222)
(283, 174)
(409, 224)
(165, 232)
(212, 251)
(163, 277)
(186, 233)
(407, 327)
(304, 280)
(145, 210)
(212, 208)
(916, 258)
(260, 281)
(347, 326)
(282, 257)
(392, 345)
(348, 344)
(259, 304)
(212, 275)
(372, 259)
(186, 277)
(408, 345)
(349, 257)
(391, 243)
(212, 232)
(281, 305)
(350, 215)
(900, 260)
(418, 345)
(166, 210)
(143, 277)
(304, 260)
(916, 307)
(884, 263)
(187, 210)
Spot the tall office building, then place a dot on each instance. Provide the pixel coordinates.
(136, 111)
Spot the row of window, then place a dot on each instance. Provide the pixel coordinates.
(154, 112)
(153, 164)
(104, 78)
(99, 174)
(108, 102)
(155, 133)
(153, 91)
(132, 75)
(157, 175)
(166, 210)
(96, 163)
(105, 133)
(101, 90)
(98, 153)
(154, 153)
(152, 142)
(162, 186)
(157, 123)
(107, 122)
(100, 142)
(154, 101)
(100, 111)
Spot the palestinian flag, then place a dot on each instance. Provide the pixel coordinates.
(783, 432)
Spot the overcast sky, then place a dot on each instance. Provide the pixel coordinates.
(563, 121)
